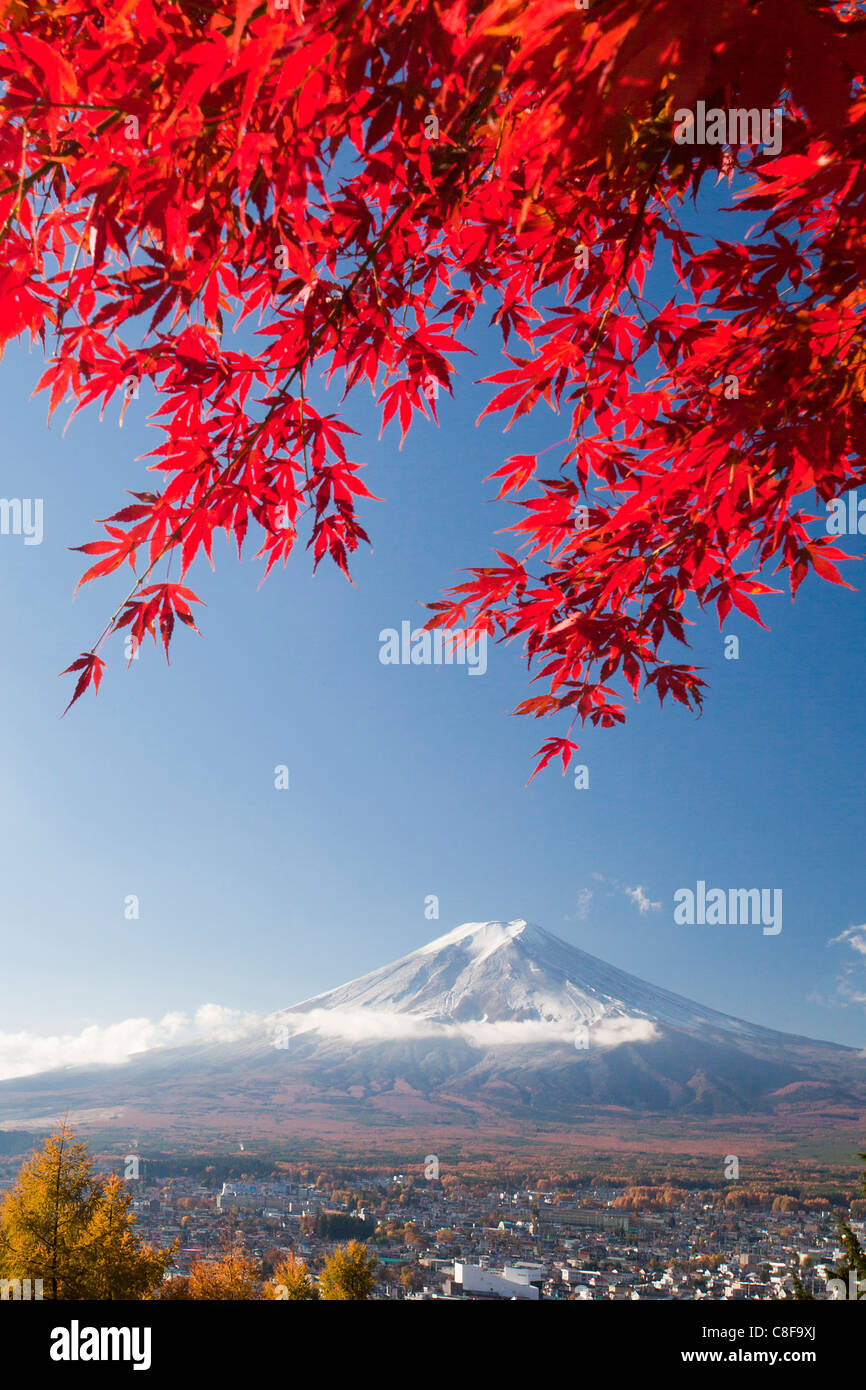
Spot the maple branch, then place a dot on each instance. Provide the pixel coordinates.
(628, 254)
(176, 535)
(225, 473)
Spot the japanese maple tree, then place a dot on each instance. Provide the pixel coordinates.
(359, 181)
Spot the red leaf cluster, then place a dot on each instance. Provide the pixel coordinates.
(361, 179)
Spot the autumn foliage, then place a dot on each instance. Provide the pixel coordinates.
(356, 183)
(230, 1276)
(74, 1229)
(349, 1275)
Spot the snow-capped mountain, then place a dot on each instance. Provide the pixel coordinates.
(493, 1022)
(508, 973)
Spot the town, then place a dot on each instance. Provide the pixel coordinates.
(471, 1240)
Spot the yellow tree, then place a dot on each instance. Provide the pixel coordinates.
(115, 1263)
(348, 1274)
(65, 1224)
(233, 1277)
(175, 1288)
(291, 1281)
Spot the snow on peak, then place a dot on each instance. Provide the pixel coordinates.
(478, 938)
(505, 973)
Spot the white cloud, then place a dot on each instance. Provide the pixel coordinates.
(584, 898)
(361, 1025)
(606, 1032)
(613, 1032)
(638, 896)
(215, 1023)
(23, 1054)
(641, 901)
(849, 989)
(851, 984)
(854, 936)
(369, 1025)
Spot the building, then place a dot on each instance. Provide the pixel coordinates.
(471, 1281)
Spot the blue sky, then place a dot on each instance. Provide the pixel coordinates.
(405, 781)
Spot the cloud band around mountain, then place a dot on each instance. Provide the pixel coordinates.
(25, 1054)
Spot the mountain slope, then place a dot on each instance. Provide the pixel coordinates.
(492, 1019)
(515, 971)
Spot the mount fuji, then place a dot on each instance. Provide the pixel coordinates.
(490, 1022)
